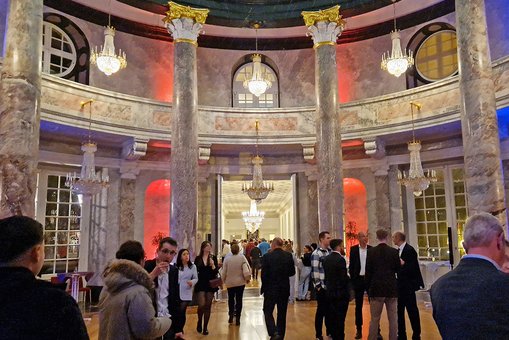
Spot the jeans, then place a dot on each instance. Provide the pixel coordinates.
(305, 275)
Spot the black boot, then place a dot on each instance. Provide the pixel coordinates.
(230, 318)
(237, 320)
(358, 335)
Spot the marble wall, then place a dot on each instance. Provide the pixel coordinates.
(149, 71)
(296, 76)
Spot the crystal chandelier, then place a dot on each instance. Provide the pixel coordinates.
(253, 218)
(106, 60)
(88, 183)
(257, 190)
(416, 180)
(258, 84)
(398, 61)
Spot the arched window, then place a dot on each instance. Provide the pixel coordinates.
(436, 55)
(65, 50)
(242, 97)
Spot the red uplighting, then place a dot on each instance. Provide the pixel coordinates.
(157, 213)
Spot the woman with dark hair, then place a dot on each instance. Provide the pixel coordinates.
(126, 307)
(305, 273)
(236, 273)
(188, 276)
(206, 264)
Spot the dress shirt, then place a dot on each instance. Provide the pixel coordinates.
(162, 295)
(400, 248)
(363, 254)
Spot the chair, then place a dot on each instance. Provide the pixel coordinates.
(84, 290)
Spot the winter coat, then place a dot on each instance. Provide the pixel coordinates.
(235, 271)
(35, 309)
(126, 309)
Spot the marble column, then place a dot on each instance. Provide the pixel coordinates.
(184, 24)
(20, 108)
(207, 203)
(394, 199)
(383, 216)
(126, 208)
(308, 209)
(324, 27)
(483, 168)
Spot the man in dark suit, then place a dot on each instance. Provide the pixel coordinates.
(409, 281)
(336, 281)
(165, 278)
(357, 270)
(277, 267)
(382, 265)
(470, 302)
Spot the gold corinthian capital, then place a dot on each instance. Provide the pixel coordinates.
(177, 11)
(329, 15)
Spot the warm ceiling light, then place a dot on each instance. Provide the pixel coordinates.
(259, 83)
(106, 59)
(397, 61)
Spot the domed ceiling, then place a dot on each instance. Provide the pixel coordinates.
(271, 13)
(229, 24)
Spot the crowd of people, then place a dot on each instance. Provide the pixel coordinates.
(149, 298)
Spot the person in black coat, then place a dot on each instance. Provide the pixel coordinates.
(277, 268)
(409, 281)
(357, 270)
(470, 302)
(336, 281)
(206, 264)
(165, 276)
(32, 308)
(382, 266)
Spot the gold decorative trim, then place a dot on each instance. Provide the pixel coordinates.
(330, 15)
(177, 11)
(321, 43)
(190, 41)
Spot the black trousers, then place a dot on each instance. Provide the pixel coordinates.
(408, 300)
(269, 302)
(359, 288)
(336, 317)
(322, 308)
(235, 295)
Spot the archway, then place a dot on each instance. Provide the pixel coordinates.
(157, 214)
(356, 210)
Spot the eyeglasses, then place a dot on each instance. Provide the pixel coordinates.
(166, 251)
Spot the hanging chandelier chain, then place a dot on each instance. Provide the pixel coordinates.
(109, 15)
(394, 12)
(83, 104)
(257, 127)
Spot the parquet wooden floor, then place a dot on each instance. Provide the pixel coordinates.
(300, 321)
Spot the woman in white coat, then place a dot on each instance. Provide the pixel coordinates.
(188, 276)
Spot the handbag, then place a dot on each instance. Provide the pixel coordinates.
(216, 283)
(246, 271)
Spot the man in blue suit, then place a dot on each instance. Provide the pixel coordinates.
(470, 302)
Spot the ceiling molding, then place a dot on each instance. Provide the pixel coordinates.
(99, 17)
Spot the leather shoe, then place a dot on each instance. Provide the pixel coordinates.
(275, 337)
(205, 332)
(358, 335)
(230, 319)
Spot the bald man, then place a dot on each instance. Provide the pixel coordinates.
(357, 270)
